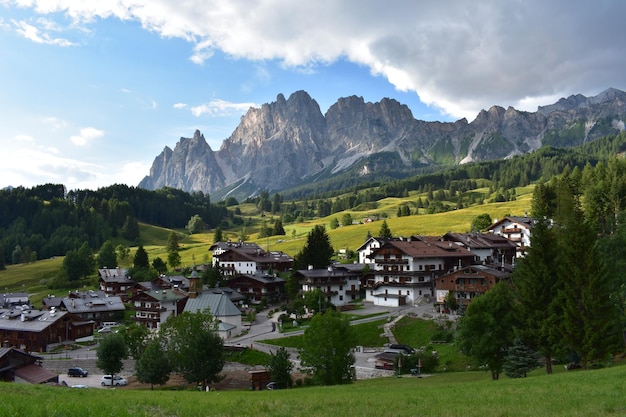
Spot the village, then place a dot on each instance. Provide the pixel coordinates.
(392, 274)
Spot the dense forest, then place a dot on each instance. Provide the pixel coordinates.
(46, 220)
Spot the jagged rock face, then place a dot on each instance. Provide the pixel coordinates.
(289, 141)
(191, 166)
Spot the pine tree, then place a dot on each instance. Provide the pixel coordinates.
(316, 252)
(520, 359)
(385, 231)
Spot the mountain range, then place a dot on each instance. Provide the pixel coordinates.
(289, 142)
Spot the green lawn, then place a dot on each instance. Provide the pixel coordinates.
(467, 394)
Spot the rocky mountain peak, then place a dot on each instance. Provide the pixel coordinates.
(289, 141)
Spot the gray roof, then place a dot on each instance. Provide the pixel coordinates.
(219, 305)
(34, 320)
(92, 304)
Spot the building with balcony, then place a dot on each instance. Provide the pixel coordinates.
(467, 283)
(250, 259)
(115, 281)
(491, 248)
(153, 307)
(404, 271)
(256, 287)
(341, 283)
(516, 229)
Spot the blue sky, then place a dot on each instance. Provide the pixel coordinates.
(93, 90)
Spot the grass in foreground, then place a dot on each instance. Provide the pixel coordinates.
(468, 394)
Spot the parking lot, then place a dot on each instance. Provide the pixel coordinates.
(91, 381)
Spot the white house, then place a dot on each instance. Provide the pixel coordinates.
(341, 283)
(516, 229)
(405, 270)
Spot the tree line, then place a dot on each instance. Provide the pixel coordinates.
(567, 296)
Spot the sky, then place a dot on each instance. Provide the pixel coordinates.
(91, 91)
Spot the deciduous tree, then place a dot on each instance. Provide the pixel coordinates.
(153, 367)
(111, 353)
(486, 330)
(106, 256)
(280, 367)
(194, 346)
(327, 349)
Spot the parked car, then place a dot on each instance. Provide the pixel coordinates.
(408, 350)
(109, 380)
(77, 371)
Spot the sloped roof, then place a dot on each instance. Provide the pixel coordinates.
(34, 320)
(480, 240)
(36, 374)
(91, 304)
(166, 294)
(219, 305)
(427, 249)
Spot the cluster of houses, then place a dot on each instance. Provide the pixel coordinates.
(391, 272)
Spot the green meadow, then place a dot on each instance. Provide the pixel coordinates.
(578, 393)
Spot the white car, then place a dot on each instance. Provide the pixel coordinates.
(115, 381)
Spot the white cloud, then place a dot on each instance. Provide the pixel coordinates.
(458, 56)
(221, 108)
(36, 35)
(179, 105)
(86, 135)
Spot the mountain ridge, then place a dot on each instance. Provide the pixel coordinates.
(289, 141)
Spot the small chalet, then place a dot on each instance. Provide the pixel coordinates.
(33, 330)
(94, 306)
(517, 229)
(490, 248)
(114, 281)
(19, 366)
(153, 307)
(14, 299)
(340, 282)
(256, 287)
(220, 306)
(468, 282)
(405, 270)
(370, 245)
(250, 259)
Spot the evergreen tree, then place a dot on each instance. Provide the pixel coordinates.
(130, 229)
(279, 230)
(218, 236)
(385, 231)
(589, 315)
(2, 261)
(519, 360)
(159, 265)
(316, 252)
(141, 258)
(173, 247)
(535, 282)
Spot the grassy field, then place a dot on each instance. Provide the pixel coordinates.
(468, 394)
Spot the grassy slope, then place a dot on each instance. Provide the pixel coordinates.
(468, 394)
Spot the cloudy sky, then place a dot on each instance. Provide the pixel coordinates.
(93, 90)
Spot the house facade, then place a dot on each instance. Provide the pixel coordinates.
(257, 287)
(491, 248)
(340, 283)
(516, 229)
(32, 330)
(153, 307)
(115, 281)
(94, 306)
(404, 271)
(249, 259)
(467, 283)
